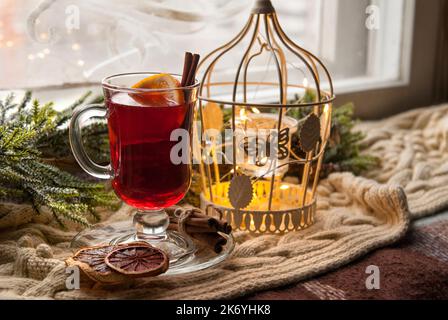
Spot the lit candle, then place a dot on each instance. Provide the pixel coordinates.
(255, 110)
(284, 187)
(257, 164)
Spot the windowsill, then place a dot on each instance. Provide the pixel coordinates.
(346, 86)
(361, 84)
(64, 96)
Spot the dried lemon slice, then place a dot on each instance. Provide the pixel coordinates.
(162, 97)
(135, 260)
(91, 261)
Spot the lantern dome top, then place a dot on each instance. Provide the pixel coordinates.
(263, 56)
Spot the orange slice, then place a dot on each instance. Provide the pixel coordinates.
(161, 98)
(91, 261)
(137, 260)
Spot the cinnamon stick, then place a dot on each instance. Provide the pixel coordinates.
(190, 67)
(173, 227)
(211, 239)
(187, 66)
(199, 222)
(189, 229)
(193, 68)
(219, 225)
(215, 240)
(223, 226)
(206, 224)
(201, 227)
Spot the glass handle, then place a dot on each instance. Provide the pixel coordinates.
(80, 116)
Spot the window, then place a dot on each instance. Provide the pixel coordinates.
(51, 43)
(373, 42)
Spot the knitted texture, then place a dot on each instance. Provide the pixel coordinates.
(355, 215)
(413, 147)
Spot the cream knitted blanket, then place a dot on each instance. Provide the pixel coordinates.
(355, 215)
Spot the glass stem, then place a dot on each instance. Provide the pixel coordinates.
(151, 225)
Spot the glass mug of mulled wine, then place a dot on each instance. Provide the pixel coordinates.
(142, 112)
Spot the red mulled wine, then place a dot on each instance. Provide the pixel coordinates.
(144, 175)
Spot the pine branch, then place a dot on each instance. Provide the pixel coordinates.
(343, 152)
(6, 106)
(24, 174)
(26, 99)
(95, 136)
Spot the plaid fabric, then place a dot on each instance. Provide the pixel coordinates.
(414, 268)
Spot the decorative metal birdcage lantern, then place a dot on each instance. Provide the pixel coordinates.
(259, 158)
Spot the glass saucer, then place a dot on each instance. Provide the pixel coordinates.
(124, 232)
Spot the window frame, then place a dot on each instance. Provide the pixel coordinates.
(377, 52)
(419, 91)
